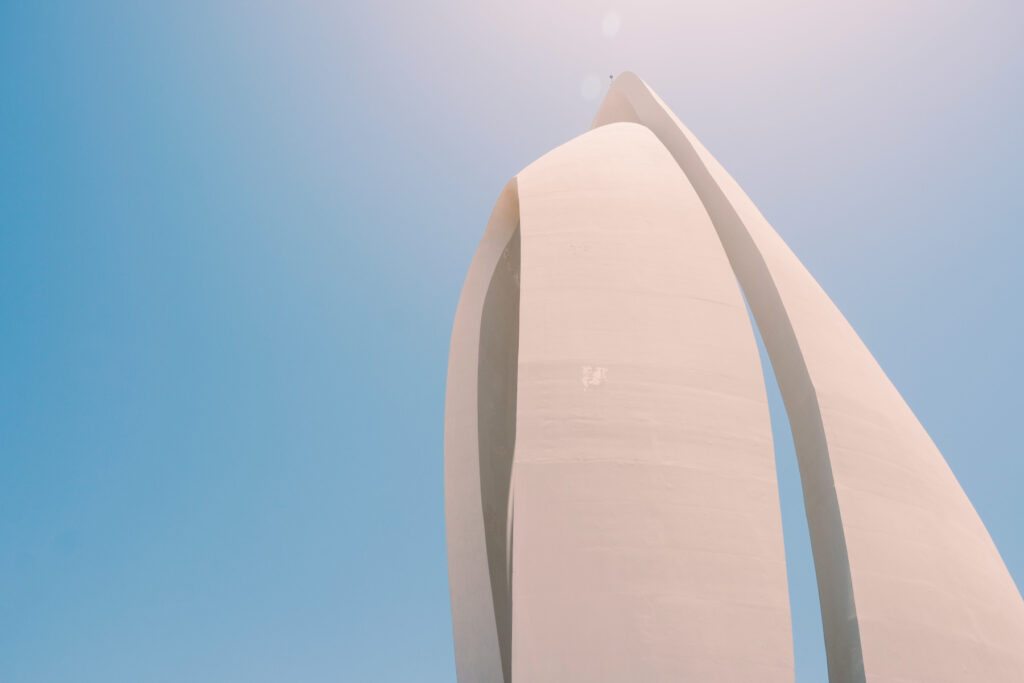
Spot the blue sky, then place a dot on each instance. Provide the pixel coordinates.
(232, 237)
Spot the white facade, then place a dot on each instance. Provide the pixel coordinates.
(610, 485)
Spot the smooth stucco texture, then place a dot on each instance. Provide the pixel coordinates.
(610, 487)
(912, 587)
(647, 536)
(643, 528)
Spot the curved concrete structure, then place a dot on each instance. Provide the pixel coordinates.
(610, 488)
(644, 538)
(911, 586)
(478, 656)
(647, 537)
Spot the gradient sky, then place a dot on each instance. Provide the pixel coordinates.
(232, 238)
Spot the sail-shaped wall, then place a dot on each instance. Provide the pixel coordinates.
(610, 487)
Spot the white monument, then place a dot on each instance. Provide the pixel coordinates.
(611, 498)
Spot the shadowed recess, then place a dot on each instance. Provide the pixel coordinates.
(497, 373)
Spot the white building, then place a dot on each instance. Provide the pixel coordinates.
(612, 505)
